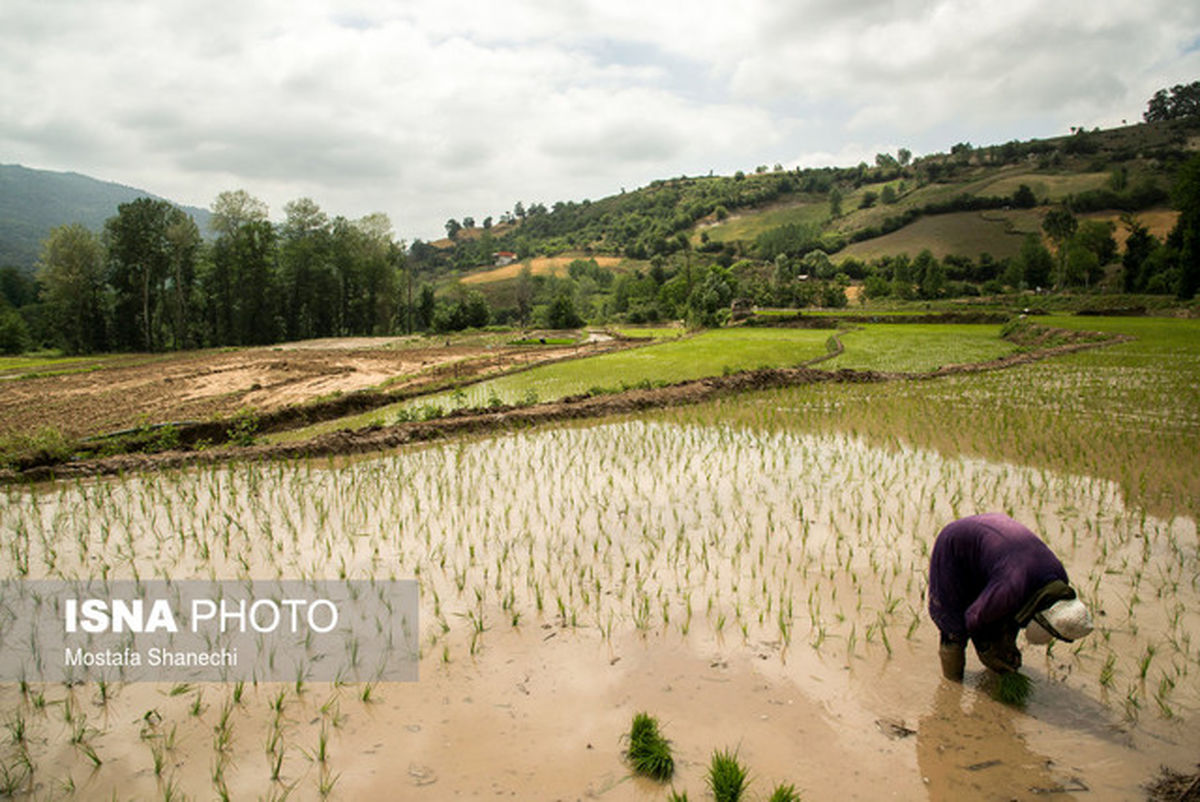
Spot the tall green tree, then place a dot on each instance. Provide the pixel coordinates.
(930, 275)
(1139, 244)
(1186, 198)
(71, 274)
(1060, 225)
(1034, 265)
(240, 284)
(1182, 100)
(184, 243)
(310, 288)
(141, 257)
(234, 208)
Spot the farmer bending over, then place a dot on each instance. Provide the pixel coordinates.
(989, 576)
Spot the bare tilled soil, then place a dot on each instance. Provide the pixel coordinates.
(206, 385)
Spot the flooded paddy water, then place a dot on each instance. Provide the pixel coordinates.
(758, 590)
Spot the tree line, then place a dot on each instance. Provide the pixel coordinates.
(150, 282)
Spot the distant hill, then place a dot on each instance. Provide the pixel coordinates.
(970, 201)
(32, 202)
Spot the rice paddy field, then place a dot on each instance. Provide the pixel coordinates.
(751, 571)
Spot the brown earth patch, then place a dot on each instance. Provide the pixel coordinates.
(540, 266)
(212, 385)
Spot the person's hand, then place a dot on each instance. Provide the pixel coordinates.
(999, 657)
(999, 651)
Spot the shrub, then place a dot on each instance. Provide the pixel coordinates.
(243, 428)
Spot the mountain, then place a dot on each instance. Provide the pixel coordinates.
(32, 202)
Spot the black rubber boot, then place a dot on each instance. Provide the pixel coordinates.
(954, 660)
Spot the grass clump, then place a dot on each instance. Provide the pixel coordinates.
(47, 446)
(649, 751)
(726, 776)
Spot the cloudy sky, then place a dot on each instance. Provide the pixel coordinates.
(431, 109)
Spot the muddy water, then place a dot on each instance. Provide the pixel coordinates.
(757, 591)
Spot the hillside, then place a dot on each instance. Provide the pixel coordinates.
(964, 202)
(32, 202)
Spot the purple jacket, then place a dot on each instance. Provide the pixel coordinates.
(983, 570)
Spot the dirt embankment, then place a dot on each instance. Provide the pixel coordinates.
(800, 321)
(471, 421)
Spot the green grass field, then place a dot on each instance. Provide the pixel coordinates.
(999, 233)
(746, 226)
(915, 347)
(894, 347)
(709, 354)
(1129, 412)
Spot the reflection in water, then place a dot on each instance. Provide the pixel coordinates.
(977, 753)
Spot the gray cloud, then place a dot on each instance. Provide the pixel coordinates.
(437, 108)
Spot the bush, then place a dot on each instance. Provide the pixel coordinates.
(243, 428)
(14, 333)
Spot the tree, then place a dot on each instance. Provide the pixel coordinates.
(1060, 225)
(904, 156)
(234, 208)
(475, 310)
(311, 291)
(140, 266)
(17, 287)
(72, 277)
(930, 275)
(14, 332)
(1182, 100)
(184, 241)
(1097, 237)
(1034, 264)
(239, 282)
(1139, 244)
(1023, 197)
(835, 202)
(452, 228)
(1186, 198)
(817, 263)
(562, 314)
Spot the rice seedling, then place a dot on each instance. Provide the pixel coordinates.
(649, 752)
(1011, 688)
(726, 778)
(16, 775)
(785, 793)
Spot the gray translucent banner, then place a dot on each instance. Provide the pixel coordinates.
(202, 631)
